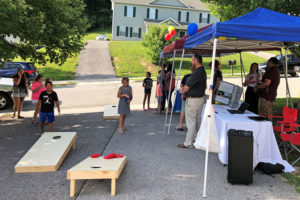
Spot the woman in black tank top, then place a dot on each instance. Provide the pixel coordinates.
(20, 91)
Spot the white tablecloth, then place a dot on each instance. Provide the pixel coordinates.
(265, 148)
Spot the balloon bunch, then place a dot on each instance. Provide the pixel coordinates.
(171, 33)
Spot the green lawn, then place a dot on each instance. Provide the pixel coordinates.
(130, 59)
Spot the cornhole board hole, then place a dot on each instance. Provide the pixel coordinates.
(110, 112)
(48, 153)
(96, 168)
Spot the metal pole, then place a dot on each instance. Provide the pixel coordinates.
(160, 83)
(209, 114)
(176, 89)
(169, 92)
(242, 66)
(288, 93)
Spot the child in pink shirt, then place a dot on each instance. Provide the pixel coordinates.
(159, 96)
(37, 87)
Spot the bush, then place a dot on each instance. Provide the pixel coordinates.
(155, 41)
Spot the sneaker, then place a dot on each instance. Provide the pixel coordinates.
(149, 108)
(143, 109)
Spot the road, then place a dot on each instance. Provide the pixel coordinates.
(95, 62)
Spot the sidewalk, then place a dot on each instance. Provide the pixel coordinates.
(157, 169)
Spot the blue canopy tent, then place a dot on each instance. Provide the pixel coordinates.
(261, 29)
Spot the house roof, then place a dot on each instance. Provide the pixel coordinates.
(193, 4)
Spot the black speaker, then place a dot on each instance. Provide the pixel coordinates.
(240, 157)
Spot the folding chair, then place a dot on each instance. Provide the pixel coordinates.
(289, 116)
(295, 141)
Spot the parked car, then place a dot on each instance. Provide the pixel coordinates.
(9, 69)
(6, 87)
(101, 37)
(293, 65)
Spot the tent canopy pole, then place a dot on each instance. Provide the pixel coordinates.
(177, 80)
(169, 92)
(242, 66)
(209, 106)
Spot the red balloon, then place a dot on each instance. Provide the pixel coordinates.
(172, 32)
(167, 37)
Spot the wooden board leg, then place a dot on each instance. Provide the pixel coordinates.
(72, 187)
(74, 145)
(113, 187)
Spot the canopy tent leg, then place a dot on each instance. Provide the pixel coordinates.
(285, 68)
(166, 119)
(176, 90)
(242, 67)
(209, 114)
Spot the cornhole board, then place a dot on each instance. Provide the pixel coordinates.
(110, 112)
(48, 152)
(96, 168)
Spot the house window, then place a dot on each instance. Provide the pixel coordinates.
(181, 34)
(152, 13)
(123, 31)
(205, 18)
(129, 11)
(183, 16)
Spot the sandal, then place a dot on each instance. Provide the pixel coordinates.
(120, 131)
(13, 116)
(184, 147)
(179, 129)
(20, 117)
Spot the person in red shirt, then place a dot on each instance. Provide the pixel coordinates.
(267, 91)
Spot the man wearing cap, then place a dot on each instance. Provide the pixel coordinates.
(194, 91)
(268, 89)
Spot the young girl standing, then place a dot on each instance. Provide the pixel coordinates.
(147, 84)
(125, 95)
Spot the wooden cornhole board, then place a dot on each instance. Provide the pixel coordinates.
(48, 153)
(96, 168)
(110, 112)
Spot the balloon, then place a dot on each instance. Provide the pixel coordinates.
(167, 37)
(172, 32)
(192, 29)
(171, 28)
(222, 38)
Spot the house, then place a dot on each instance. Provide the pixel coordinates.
(132, 17)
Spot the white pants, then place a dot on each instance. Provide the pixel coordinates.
(193, 109)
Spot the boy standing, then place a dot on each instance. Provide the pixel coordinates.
(46, 101)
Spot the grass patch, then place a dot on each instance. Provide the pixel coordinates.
(129, 59)
(294, 179)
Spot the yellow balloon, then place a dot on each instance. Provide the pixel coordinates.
(171, 28)
(222, 38)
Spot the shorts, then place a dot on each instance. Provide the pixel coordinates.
(147, 91)
(159, 99)
(18, 92)
(183, 106)
(47, 115)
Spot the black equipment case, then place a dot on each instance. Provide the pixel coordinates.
(240, 157)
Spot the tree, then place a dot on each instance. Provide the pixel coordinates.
(99, 13)
(229, 9)
(155, 41)
(57, 25)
